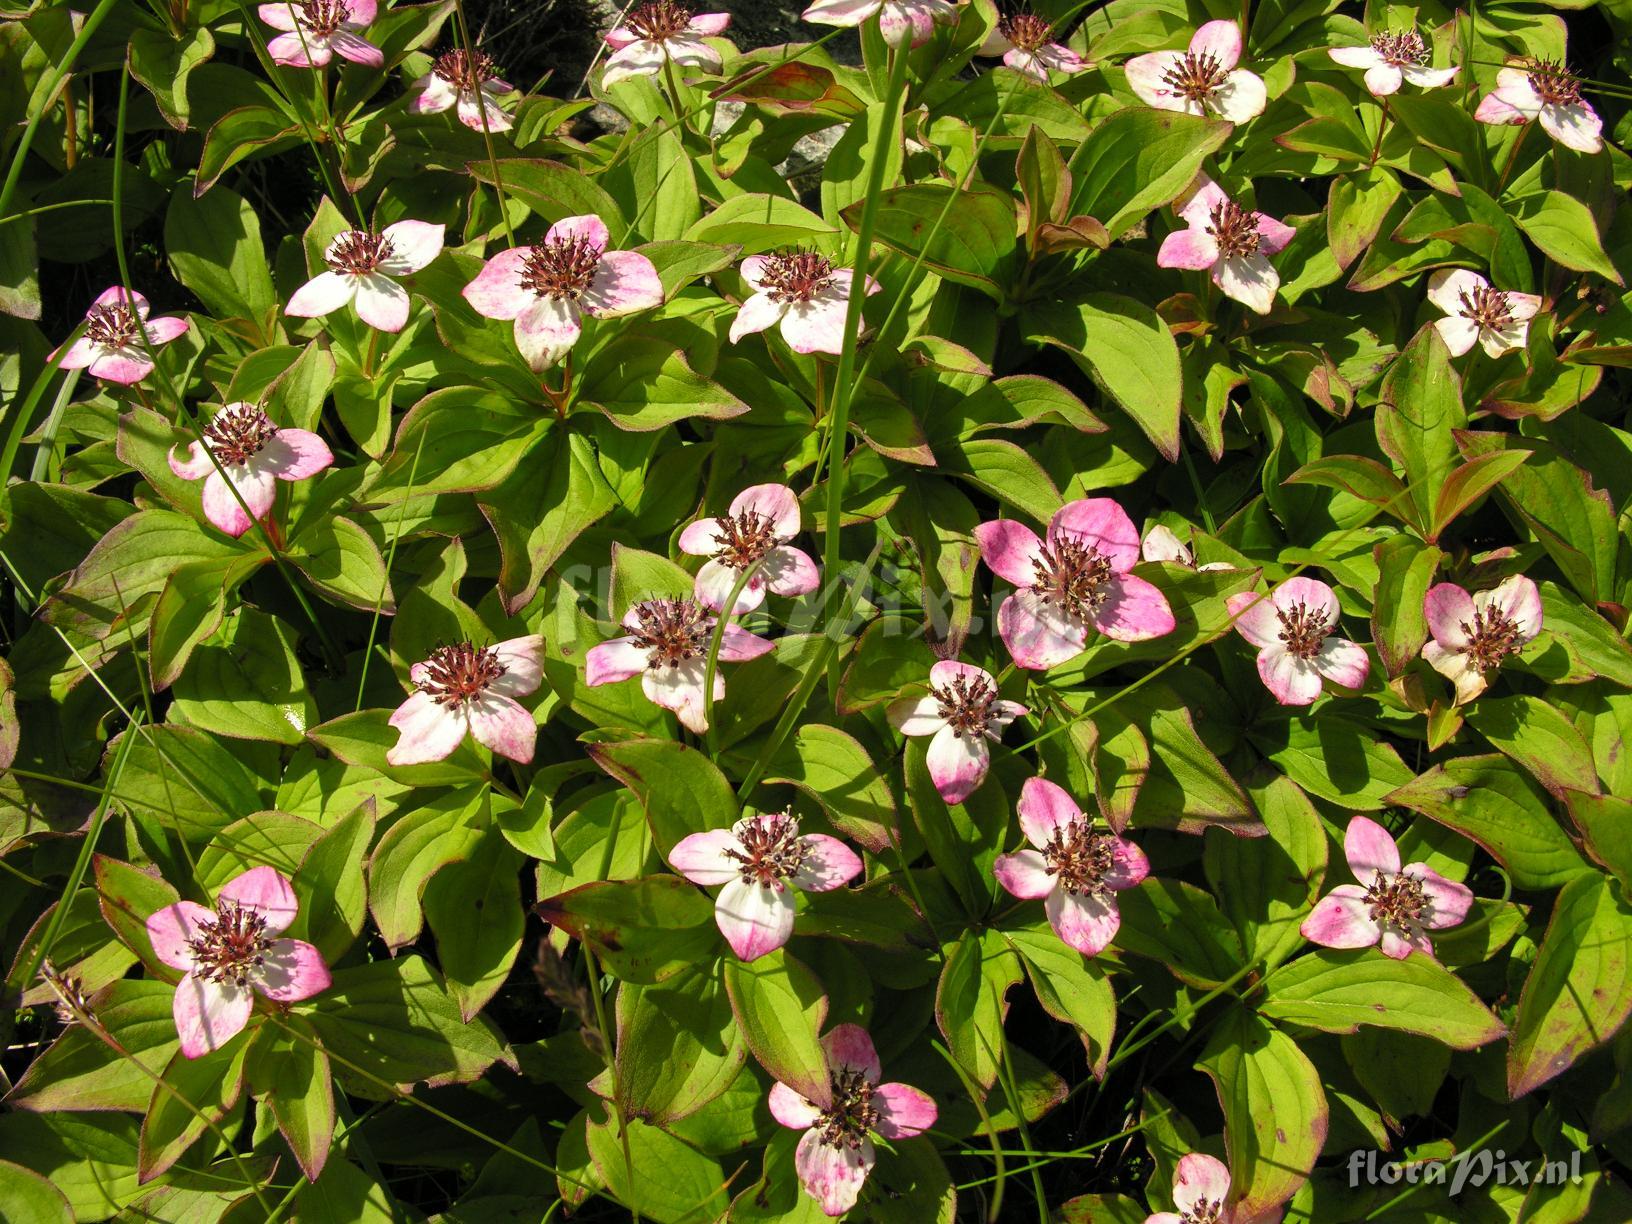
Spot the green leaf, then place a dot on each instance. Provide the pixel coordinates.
(1488, 801)
(290, 1069)
(1335, 758)
(340, 559)
(679, 1047)
(1399, 626)
(162, 63)
(241, 133)
(681, 790)
(186, 780)
(757, 222)
(974, 245)
(1070, 988)
(1420, 410)
(446, 830)
(1588, 645)
(971, 1001)
(1358, 476)
(1538, 737)
(330, 885)
(642, 385)
(214, 248)
(25, 1195)
(1563, 227)
(834, 769)
(189, 609)
(643, 930)
(1267, 885)
(127, 897)
(1127, 350)
(273, 838)
(667, 1179)
(1359, 202)
(392, 1022)
(474, 907)
(1275, 1111)
(458, 439)
(551, 189)
(1137, 160)
(1579, 992)
(780, 1008)
(81, 1071)
(362, 739)
(1337, 992)
(194, 1093)
(638, 576)
(1468, 483)
(1179, 925)
(244, 682)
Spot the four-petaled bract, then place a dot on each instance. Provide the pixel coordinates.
(1392, 58)
(1078, 578)
(803, 293)
(362, 270)
(836, 1153)
(1497, 319)
(548, 288)
(900, 21)
(1547, 91)
(662, 30)
(1391, 905)
(1077, 869)
(241, 449)
(1201, 1192)
(761, 861)
(1026, 43)
(118, 338)
(963, 715)
(667, 647)
(1203, 79)
(317, 30)
(1230, 242)
(230, 954)
(464, 688)
(1292, 629)
(751, 536)
(468, 82)
(1472, 634)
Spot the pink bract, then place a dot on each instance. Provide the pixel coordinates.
(1078, 578)
(836, 1152)
(242, 449)
(1391, 905)
(659, 31)
(1230, 242)
(548, 288)
(315, 31)
(900, 21)
(1201, 1191)
(1203, 79)
(229, 954)
(1291, 627)
(119, 337)
(752, 535)
(964, 715)
(465, 689)
(1472, 634)
(761, 861)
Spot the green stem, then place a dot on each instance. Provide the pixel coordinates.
(15, 173)
(1512, 159)
(1382, 127)
(838, 413)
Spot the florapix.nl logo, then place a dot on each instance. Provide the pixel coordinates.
(1475, 1167)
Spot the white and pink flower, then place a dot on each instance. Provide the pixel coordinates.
(1231, 242)
(662, 30)
(761, 861)
(1162, 544)
(253, 454)
(548, 288)
(1201, 1190)
(111, 347)
(469, 81)
(315, 31)
(963, 714)
(1202, 79)
(1078, 578)
(1392, 58)
(1075, 868)
(803, 292)
(899, 21)
(470, 690)
(752, 536)
(1391, 905)
(1547, 91)
(835, 1154)
(1498, 319)
(1292, 629)
(667, 647)
(229, 954)
(1472, 634)
(1025, 42)
(362, 268)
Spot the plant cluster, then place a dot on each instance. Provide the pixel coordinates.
(1075, 667)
